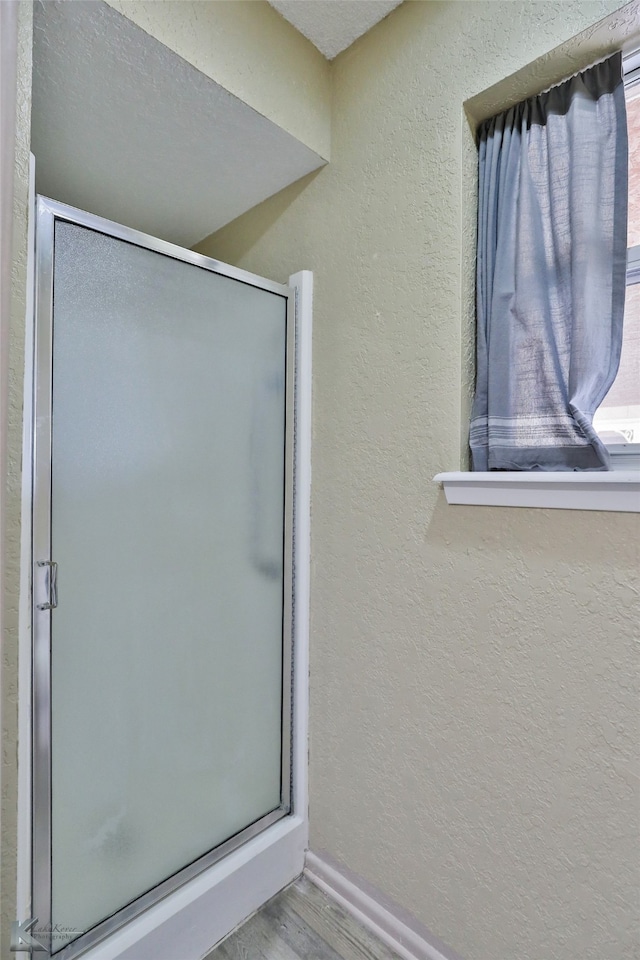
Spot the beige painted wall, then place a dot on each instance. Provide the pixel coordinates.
(252, 52)
(9, 690)
(473, 709)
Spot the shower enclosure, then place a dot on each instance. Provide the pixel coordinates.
(163, 498)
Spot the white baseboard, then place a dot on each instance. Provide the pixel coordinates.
(401, 933)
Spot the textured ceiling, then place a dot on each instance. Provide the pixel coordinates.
(333, 25)
(128, 130)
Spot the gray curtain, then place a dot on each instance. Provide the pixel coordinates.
(552, 232)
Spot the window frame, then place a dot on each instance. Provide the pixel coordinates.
(626, 456)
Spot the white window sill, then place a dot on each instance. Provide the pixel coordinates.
(614, 490)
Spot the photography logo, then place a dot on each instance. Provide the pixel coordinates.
(26, 937)
(21, 939)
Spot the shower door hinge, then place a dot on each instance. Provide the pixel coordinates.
(52, 585)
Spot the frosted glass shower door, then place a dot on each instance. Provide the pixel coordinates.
(166, 455)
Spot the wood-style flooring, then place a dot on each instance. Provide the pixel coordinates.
(301, 923)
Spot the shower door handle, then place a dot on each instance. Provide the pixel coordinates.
(52, 585)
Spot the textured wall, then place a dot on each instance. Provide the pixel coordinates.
(9, 691)
(252, 52)
(473, 711)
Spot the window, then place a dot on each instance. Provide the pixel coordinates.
(618, 417)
